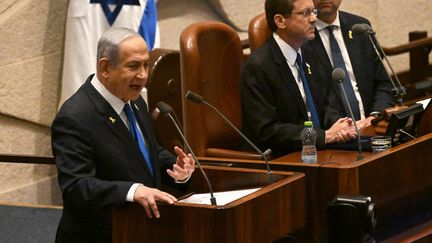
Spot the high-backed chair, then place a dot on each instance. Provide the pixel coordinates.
(258, 31)
(211, 58)
(163, 84)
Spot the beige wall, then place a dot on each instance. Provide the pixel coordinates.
(31, 43)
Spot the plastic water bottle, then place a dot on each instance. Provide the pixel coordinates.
(308, 137)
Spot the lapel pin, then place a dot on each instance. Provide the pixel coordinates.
(136, 107)
(350, 34)
(113, 120)
(308, 68)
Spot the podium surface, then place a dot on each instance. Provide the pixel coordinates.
(275, 210)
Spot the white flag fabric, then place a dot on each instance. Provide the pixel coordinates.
(86, 21)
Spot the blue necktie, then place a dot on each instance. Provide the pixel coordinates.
(338, 61)
(137, 136)
(309, 99)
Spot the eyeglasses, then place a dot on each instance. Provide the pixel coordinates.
(307, 12)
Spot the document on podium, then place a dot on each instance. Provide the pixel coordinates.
(222, 198)
(424, 102)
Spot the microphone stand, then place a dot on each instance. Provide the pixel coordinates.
(339, 81)
(198, 99)
(263, 154)
(398, 89)
(166, 111)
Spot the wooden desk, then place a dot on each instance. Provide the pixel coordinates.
(398, 180)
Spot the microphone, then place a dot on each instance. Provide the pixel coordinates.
(200, 100)
(362, 29)
(338, 75)
(166, 110)
(365, 29)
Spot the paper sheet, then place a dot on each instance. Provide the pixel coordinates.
(424, 102)
(222, 198)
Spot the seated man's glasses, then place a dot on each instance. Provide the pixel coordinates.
(307, 12)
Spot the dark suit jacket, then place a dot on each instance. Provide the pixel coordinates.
(273, 111)
(372, 80)
(98, 161)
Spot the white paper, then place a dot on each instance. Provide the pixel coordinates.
(222, 198)
(424, 102)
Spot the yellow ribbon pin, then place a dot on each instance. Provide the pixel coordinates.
(113, 120)
(350, 34)
(308, 68)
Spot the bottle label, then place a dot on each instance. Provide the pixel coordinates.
(309, 154)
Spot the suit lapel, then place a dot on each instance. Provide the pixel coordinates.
(353, 46)
(348, 37)
(318, 48)
(287, 77)
(114, 123)
(309, 69)
(319, 51)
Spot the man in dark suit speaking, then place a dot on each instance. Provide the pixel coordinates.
(105, 147)
(335, 45)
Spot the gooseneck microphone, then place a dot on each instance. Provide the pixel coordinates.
(365, 29)
(166, 110)
(200, 100)
(338, 76)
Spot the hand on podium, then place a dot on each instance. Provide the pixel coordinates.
(147, 197)
(181, 172)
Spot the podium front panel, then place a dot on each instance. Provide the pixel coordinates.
(277, 209)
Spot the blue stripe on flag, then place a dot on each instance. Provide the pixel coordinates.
(147, 28)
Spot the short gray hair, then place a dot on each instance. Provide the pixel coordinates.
(109, 42)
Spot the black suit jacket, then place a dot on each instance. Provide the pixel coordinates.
(98, 161)
(273, 111)
(372, 80)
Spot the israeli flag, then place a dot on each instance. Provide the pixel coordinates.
(87, 20)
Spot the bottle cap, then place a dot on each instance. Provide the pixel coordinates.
(308, 123)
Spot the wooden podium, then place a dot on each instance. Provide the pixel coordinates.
(275, 210)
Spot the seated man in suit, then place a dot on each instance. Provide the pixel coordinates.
(335, 45)
(105, 147)
(279, 91)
